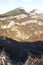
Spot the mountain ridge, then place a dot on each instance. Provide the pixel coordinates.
(14, 12)
(20, 10)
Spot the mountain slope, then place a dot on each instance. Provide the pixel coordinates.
(14, 12)
(22, 27)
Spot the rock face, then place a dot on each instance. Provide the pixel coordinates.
(22, 51)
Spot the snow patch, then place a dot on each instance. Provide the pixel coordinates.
(11, 24)
(21, 16)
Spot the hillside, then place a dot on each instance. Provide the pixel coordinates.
(23, 27)
(21, 37)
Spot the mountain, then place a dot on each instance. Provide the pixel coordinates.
(36, 12)
(14, 12)
(22, 26)
(22, 10)
(21, 37)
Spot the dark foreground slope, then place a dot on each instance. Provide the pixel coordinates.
(22, 51)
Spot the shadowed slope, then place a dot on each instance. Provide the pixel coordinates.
(19, 51)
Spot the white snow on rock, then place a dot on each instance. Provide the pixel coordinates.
(11, 24)
(38, 32)
(3, 27)
(21, 16)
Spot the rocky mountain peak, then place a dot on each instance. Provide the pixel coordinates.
(36, 12)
